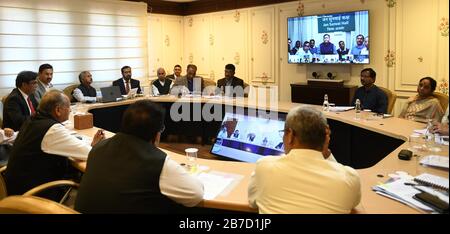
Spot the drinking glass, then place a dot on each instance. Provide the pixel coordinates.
(191, 154)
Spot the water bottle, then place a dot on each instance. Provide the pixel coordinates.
(326, 104)
(358, 109)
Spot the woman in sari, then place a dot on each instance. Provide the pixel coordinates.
(424, 106)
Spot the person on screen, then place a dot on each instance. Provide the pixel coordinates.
(127, 173)
(236, 133)
(371, 97)
(305, 180)
(85, 92)
(296, 48)
(279, 146)
(251, 137)
(424, 105)
(162, 85)
(289, 45)
(265, 142)
(365, 50)
(228, 84)
(342, 50)
(326, 47)
(126, 83)
(304, 53)
(312, 47)
(356, 50)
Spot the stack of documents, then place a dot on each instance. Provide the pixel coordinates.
(398, 191)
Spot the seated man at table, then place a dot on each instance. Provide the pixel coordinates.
(228, 84)
(162, 85)
(129, 174)
(190, 83)
(126, 83)
(369, 94)
(424, 105)
(85, 92)
(20, 104)
(307, 179)
(42, 149)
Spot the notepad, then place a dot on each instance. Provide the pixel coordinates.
(435, 161)
(341, 108)
(432, 180)
(213, 184)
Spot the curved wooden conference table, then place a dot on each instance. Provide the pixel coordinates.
(235, 197)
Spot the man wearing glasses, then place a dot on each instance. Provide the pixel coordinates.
(307, 179)
(20, 103)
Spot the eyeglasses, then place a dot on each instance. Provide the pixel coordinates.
(162, 129)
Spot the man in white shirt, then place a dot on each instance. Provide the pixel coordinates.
(85, 92)
(42, 149)
(162, 85)
(45, 77)
(127, 173)
(307, 179)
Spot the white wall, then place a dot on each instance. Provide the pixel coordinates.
(253, 39)
(96, 35)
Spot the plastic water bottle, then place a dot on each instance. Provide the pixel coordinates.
(326, 104)
(358, 109)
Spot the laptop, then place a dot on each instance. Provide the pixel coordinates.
(111, 94)
(248, 138)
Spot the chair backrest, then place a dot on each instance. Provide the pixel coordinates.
(443, 99)
(32, 205)
(208, 82)
(3, 192)
(391, 97)
(68, 91)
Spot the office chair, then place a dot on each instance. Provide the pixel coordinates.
(391, 97)
(443, 99)
(68, 91)
(32, 205)
(36, 190)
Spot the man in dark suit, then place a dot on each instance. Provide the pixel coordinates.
(228, 84)
(190, 83)
(126, 83)
(20, 103)
(176, 72)
(127, 173)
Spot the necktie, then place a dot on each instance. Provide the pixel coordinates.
(127, 88)
(30, 104)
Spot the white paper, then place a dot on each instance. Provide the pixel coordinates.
(401, 192)
(421, 131)
(341, 108)
(435, 161)
(213, 184)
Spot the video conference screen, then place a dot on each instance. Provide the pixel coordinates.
(338, 38)
(248, 138)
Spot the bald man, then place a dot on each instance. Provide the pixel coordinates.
(162, 85)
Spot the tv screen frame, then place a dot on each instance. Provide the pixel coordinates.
(319, 26)
(241, 147)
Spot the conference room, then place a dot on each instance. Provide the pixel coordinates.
(207, 102)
